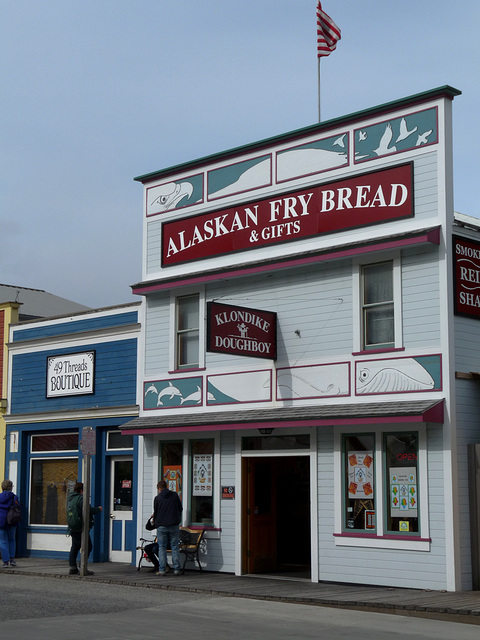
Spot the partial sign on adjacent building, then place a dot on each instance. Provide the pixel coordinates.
(70, 375)
(466, 256)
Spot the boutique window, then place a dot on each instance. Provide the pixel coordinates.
(378, 317)
(51, 481)
(201, 455)
(359, 482)
(187, 332)
(52, 478)
(401, 458)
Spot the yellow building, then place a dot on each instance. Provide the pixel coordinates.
(16, 305)
(8, 315)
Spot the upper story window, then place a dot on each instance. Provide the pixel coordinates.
(187, 332)
(378, 309)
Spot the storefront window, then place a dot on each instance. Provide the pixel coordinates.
(55, 442)
(401, 456)
(359, 484)
(51, 482)
(116, 440)
(123, 485)
(171, 457)
(202, 481)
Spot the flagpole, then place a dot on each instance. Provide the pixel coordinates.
(328, 35)
(319, 94)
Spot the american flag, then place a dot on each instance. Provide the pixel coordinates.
(328, 34)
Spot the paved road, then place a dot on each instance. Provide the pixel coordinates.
(50, 609)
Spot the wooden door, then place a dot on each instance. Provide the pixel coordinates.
(260, 505)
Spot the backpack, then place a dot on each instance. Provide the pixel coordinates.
(14, 514)
(74, 512)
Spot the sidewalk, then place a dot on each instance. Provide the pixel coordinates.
(463, 607)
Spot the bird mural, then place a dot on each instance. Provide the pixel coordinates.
(404, 132)
(423, 138)
(340, 142)
(383, 147)
(396, 135)
(169, 195)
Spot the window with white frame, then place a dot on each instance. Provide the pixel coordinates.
(188, 467)
(52, 476)
(381, 464)
(187, 332)
(378, 318)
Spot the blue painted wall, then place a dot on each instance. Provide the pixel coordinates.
(77, 326)
(115, 378)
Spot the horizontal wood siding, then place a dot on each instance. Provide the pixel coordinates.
(316, 303)
(77, 326)
(220, 554)
(153, 250)
(421, 298)
(157, 334)
(115, 378)
(426, 186)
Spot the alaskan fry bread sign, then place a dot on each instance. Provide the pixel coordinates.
(360, 474)
(361, 200)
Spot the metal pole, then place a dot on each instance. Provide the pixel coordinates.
(85, 514)
(319, 108)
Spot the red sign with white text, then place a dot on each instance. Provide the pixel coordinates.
(370, 198)
(466, 256)
(241, 331)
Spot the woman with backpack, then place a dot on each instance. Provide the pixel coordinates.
(75, 526)
(7, 531)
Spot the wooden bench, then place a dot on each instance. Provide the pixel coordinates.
(189, 545)
(190, 540)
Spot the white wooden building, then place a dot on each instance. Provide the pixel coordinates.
(306, 377)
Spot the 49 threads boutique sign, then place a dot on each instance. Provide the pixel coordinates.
(241, 332)
(362, 200)
(70, 375)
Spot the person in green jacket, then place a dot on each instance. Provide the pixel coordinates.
(75, 525)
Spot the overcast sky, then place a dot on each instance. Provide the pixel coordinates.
(96, 92)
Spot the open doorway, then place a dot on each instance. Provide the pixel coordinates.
(276, 514)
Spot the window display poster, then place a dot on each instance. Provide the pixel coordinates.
(172, 474)
(360, 474)
(403, 492)
(203, 475)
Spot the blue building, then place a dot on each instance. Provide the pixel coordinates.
(71, 373)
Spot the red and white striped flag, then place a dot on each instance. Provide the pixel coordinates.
(328, 34)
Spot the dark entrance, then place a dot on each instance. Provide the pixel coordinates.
(276, 513)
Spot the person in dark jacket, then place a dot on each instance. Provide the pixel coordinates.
(167, 515)
(7, 531)
(75, 502)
